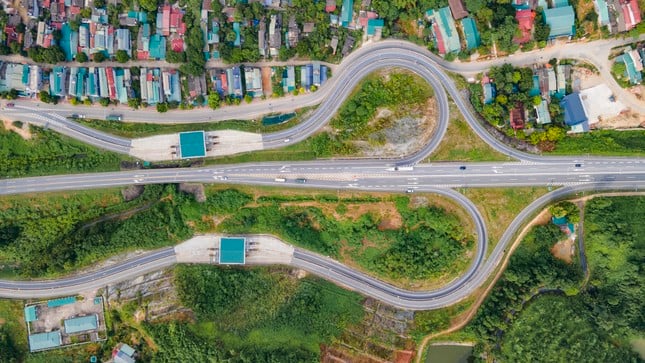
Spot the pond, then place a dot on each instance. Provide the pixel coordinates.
(449, 353)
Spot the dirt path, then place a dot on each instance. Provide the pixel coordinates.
(465, 318)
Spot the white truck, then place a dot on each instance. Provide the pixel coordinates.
(281, 180)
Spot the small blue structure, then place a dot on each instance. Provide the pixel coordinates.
(489, 93)
(232, 251)
(30, 314)
(60, 302)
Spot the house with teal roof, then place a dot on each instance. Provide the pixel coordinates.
(444, 30)
(43, 341)
(157, 46)
(542, 111)
(603, 12)
(238, 39)
(473, 40)
(346, 12)
(561, 20)
(374, 26)
(560, 3)
(633, 65)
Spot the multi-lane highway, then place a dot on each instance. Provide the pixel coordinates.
(574, 173)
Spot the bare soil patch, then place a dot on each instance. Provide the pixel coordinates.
(564, 250)
(22, 131)
(626, 120)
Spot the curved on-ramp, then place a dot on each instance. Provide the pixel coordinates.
(329, 269)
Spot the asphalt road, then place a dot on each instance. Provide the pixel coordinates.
(577, 174)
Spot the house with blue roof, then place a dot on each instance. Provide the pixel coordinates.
(574, 112)
(444, 30)
(57, 81)
(561, 20)
(560, 3)
(157, 47)
(473, 40)
(542, 111)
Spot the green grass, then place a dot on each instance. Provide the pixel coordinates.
(49, 153)
(13, 333)
(603, 142)
(298, 152)
(136, 129)
(460, 143)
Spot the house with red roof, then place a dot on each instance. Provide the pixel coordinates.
(517, 117)
(525, 20)
(458, 9)
(330, 6)
(631, 13)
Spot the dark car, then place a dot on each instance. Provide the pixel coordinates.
(578, 165)
(301, 180)
(463, 167)
(10, 104)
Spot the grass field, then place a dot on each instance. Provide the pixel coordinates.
(603, 142)
(137, 129)
(461, 144)
(499, 206)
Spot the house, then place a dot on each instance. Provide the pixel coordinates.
(348, 46)
(517, 117)
(561, 20)
(553, 82)
(603, 13)
(334, 44)
(196, 85)
(444, 30)
(458, 9)
(574, 113)
(275, 38)
(308, 28)
(262, 37)
(633, 65)
(157, 48)
(123, 353)
(238, 37)
(234, 78)
(143, 42)
(525, 20)
(253, 81)
(560, 3)
(330, 6)
(81, 324)
(631, 13)
(489, 90)
(561, 75)
(12, 76)
(306, 76)
(542, 112)
(347, 13)
(364, 16)
(473, 40)
(316, 74)
(525, 4)
(289, 79)
(171, 86)
(293, 32)
(375, 28)
(58, 81)
(42, 341)
(123, 41)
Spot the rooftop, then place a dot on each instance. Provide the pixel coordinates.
(561, 20)
(43, 341)
(192, 144)
(232, 250)
(82, 323)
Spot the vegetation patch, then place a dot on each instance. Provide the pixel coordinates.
(499, 206)
(138, 129)
(462, 144)
(359, 121)
(537, 310)
(49, 153)
(603, 142)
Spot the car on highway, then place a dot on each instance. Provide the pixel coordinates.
(114, 117)
(11, 104)
(410, 191)
(301, 180)
(77, 115)
(578, 165)
(280, 180)
(287, 140)
(463, 167)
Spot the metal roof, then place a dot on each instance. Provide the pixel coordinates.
(82, 323)
(561, 20)
(232, 250)
(43, 341)
(192, 144)
(30, 313)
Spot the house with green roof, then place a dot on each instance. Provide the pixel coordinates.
(633, 65)
(471, 34)
(81, 324)
(561, 20)
(43, 341)
(444, 30)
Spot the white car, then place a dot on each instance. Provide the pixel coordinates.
(287, 140)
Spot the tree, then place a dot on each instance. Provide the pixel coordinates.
(149, 5)
(134, 102)
(81, 57)
(162, 107)
(213, 100)
(44, 96)
(248, 98)
(105, 102)
(175, 57)
(537, 100)
(122, 56)
(99, 57)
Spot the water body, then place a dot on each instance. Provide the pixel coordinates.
(449, 353)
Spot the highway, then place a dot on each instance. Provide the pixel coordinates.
(571, 174)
